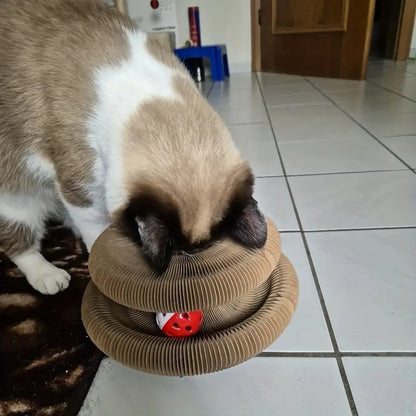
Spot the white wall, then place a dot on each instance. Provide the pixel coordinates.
(221, 21)
(148, 19)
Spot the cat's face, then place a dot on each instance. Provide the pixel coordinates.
(161, 227)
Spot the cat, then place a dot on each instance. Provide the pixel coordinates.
(101, 125)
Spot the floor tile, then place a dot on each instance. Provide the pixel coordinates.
(403, 85)
(313, 122)
(356, 200)
(387, 123)
(261, 386)
(241, 81)
(349, 94)
(268, 79)
(205, 87)
(256, 114)
(274, 200)
(307, 331)
(362, 103)
(385, 73)
(404, 147)
(407, 66)
(332, 84)
(256, 143)
(367, 276)
(383, 386)
(235, 99)
(288, 88)
(322, 156)
(275, 99)
(368, 280)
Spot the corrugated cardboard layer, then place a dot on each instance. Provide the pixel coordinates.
(214, 277)
(231, 333)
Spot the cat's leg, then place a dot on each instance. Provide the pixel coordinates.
(91, 221)
(69, 223)
(82, 193)
(42, 275)
(61, 215)
(21, 229)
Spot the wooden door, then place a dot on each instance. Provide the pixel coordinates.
(327, 38)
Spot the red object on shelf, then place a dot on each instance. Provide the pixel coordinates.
(194, 29)
(154, 4)
(181, 324)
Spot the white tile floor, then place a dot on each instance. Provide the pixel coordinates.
(335, 163)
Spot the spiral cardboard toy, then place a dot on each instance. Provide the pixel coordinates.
(247, 298)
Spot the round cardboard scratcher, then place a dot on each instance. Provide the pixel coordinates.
(132, 338)
(224, 271)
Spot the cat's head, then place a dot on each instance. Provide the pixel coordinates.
(186, 182)
(164, 223)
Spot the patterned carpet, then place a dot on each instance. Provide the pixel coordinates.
(47, 361)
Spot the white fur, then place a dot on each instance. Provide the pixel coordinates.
(27, 209)
(31, 210)
(120, 91)
(90, 222)
(40, 168)
(42, 275)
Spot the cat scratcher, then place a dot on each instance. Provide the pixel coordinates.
(247, 296)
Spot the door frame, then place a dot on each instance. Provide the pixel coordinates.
(403, 34)
(255, 36)
(405, 29)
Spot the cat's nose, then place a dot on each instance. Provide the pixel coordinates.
(194, 250)
(197, 248)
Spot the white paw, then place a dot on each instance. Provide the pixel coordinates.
(48, 279)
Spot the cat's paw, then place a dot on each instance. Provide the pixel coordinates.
(49, 279)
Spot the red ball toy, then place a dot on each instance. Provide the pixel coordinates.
(181, 324)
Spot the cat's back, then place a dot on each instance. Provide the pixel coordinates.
(51, 30)
(49, 50)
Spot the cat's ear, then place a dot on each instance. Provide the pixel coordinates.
(250, 227)
(156, 242)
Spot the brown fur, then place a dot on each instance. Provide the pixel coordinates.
(47, 50)
(163, 55)
(23, 239)
(186, 155)
(176, 151)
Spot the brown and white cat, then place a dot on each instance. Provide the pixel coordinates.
(99, 125)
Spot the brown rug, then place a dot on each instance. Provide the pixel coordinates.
(47, 362)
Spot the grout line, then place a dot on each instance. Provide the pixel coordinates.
(379, 354)
(399, 227)
(393, 67)
(391, 91)
(267, 354)
(248, 123)
(397, 135)
(330, 230)
(364, 128)
(269, 176)
(337, 355)
(210, 90)
(296, 175)
(332, 355)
